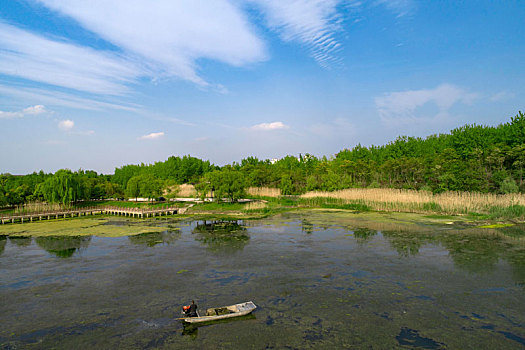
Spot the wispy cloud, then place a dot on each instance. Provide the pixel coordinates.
(56, 98)
(66, 125)
(170, 35)
(313, 23)
(502, 96)
(399, 7)
(334, 128)
(152, 136)
(60, 63)
(403, 104)
(269, 126)
(33, 110)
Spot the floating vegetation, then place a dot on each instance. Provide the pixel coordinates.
(81, 227)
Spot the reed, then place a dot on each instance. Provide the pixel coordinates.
(39, 207)
(264, 192)
(452, 203)
(255, 205)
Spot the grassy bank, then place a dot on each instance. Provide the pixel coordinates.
(477, 206)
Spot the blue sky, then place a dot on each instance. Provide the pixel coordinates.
(102, 83)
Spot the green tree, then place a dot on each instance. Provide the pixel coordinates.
(227, 183)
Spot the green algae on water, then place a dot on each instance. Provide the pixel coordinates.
(103, 227)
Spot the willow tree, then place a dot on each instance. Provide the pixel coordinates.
(63, 187)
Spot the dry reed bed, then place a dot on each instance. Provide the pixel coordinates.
(255, 205)
(38, 207)
(263, 191)
(421, 201)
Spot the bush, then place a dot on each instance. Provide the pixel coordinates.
(509, 186)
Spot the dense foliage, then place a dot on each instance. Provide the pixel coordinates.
(469, 158)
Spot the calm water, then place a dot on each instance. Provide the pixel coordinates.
(320, 280)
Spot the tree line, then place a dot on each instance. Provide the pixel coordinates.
(469, 158)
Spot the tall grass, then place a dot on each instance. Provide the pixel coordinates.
(422, 201)
(255, 205)
(39, 207)
(263, 191)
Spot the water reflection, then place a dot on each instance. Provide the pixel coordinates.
(405, 243)
(192, 329)
(472, 250)
(474, 253)
(3, 241)
(364, 234)
(221, 236)
(20, 241)
(63, 247)
(307, 227)
(153, 238)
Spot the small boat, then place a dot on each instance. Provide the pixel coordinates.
(220, 313)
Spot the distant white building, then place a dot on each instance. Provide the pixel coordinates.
(139, 199)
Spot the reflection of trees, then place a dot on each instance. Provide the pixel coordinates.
(516, 259)
(153, 238)
(405, 243)
(20, 241)
(364, 234)
(3, 240)
(63, 247)
(474, 252)
(306, 226)
(221, 236)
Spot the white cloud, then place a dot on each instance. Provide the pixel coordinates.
(152, 136)
(269, 126)
(66, 125)
(33, 57)
(404, 104)
(313, 23)
(33, 110)
(170, 35)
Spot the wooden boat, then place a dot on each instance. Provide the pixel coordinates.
(220, 313)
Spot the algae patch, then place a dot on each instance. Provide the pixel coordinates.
(496, 226)
(103, 227)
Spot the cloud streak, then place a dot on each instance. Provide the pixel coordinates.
(152, 136)
(269, 126)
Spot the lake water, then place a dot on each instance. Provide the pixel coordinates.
(319, 279)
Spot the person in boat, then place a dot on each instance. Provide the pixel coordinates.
(190, 310)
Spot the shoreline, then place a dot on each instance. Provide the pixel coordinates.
(119, 226)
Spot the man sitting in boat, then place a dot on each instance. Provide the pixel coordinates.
(190, 310)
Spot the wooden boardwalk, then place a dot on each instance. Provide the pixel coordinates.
(62, 214)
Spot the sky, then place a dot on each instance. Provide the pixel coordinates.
(102, 83)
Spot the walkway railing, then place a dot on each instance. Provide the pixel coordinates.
(108, 210)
